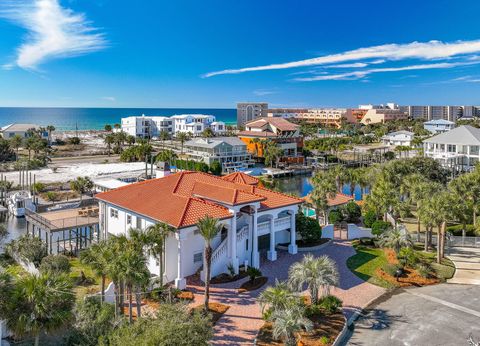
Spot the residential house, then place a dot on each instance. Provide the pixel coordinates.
(231, 152)
(458, 148)
(22, 130)
(398, 138)
(253, 219)
(438, 126)
(285, 134)
(195, 124)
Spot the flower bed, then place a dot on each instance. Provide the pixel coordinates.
(225, 278)
(215, 309)
(253, 285)
(325, 331)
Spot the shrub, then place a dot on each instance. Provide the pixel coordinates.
(391, 269)
(27, 248)
(366, 241)
(423, 270)
(369, 218)
(253, 273)
(351, 211)
(73, 141)
(52, 196)
(335, 216)
(38, 187)
(216, 168)
(308, 228)
(456, 230)
(410, 257)
(58, 264)
(379, 227)
(330, 304)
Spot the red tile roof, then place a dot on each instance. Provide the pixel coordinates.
(256, 134)
(241, 178)
(183, 198)
(280, 123)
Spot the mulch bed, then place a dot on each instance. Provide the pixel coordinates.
(225, 278)
(326, 329)
(410, 276)
(252, 286)
(185, 295)
(216, 310)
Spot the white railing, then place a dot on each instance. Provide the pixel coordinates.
(263, 226)
(283, 222)
(220, 250)
(242, 234)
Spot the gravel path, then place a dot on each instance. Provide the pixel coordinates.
(240, 324)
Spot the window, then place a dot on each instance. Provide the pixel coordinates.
(474, 149)
(114, 213)
(129, 219)
(139, 222)
(197, 257)
(451, 148)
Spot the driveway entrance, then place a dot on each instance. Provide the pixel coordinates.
(467, 264)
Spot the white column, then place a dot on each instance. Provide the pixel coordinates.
(233, 241)
(255, 255)
(180, 281)
(272, 254)
(292, 248)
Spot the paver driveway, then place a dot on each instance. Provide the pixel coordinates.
(240, 324)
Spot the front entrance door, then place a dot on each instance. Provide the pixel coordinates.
(264, 242)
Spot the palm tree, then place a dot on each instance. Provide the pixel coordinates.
(208, 228)
(130, 140)
(81, 185)
(278, 297)
(396, 240)
(36, 303)
(109, 140)
(15, 143)
(108, 128)
(272, 153)
(468, 185)
(288, 322)
(50, 129)
(156, 238)
(164, 135)
(182, 137)
(315, 273)
(323, 189)
(98, 257)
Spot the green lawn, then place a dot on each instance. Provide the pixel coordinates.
(365, 263)
(93, 282)
(443, 271)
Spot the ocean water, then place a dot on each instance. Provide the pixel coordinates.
(95, 118)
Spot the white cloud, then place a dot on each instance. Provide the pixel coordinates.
(352, 65)
(263, 92)
(53, 31)
(363, 73)
(109, 98)
(431, 50)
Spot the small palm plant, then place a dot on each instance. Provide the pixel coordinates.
(396, 240)
(98, 257)
(208, 228)
(316, 273)
(288, 322)
(277, 298)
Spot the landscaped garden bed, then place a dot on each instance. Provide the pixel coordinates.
(411, 267)
(253, 285)
(227, 277)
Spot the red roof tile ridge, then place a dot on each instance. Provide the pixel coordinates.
(235, 193)
(235, 189)
(278, 193)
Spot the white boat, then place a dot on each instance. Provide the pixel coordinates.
(17, 202)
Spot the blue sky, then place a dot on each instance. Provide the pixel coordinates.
(156, 53)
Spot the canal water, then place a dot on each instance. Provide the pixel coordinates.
(301, 186)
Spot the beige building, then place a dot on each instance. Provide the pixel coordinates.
(374, 115)
(248, 111)
(324, 116)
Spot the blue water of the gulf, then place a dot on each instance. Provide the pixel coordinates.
(96, 118)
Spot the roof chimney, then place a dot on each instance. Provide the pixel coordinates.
(163, 169)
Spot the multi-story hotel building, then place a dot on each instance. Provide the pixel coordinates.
(248, 111)
(450, 113)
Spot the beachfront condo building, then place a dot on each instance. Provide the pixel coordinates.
(458, 148)
(230, 152)
(248, 111)
(450, 113)
(373, 115)
(285, 134)
(253, 220)
(151, 126)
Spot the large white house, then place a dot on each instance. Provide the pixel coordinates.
(151, 126)
(458, 148)
(230, 152)
(254, 219)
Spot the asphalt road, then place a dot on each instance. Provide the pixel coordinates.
(445, 314)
